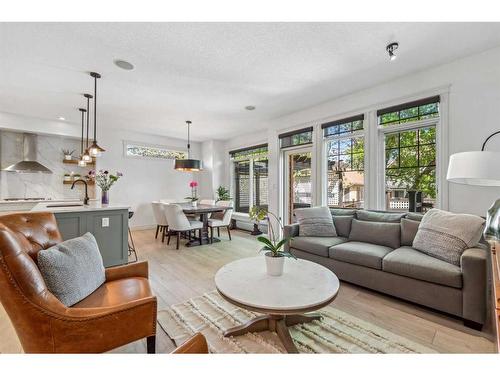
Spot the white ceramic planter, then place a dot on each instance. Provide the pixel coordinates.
(67, 157)
(194, 203)
(274, 265)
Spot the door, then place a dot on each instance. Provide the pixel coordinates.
(298, 180)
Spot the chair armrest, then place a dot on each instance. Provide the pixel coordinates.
(195, 345)
(138, 269)
(474, 264)
(289, 231)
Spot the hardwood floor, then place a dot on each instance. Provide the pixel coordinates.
(177, 275)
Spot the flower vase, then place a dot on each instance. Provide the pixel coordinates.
(194, 204)
(274, 265)
(105, 197)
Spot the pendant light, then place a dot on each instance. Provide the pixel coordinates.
(81, 161)
(86, 155)
(95, 150)
(188, 165)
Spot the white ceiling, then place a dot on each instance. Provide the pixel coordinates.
(208, 72)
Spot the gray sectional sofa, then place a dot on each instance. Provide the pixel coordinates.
(374, 250)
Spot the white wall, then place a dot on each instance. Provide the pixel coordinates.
(474, 98)
(214, 173)
(144, 180)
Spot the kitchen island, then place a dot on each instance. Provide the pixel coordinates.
(108, 224)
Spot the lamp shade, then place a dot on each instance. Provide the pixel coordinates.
(188, 165)
(480, 168)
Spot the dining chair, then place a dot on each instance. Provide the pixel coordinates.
(178, 223)
(197, 344)
(168, 201)
(208, 202)
(225, 221)
(160, 219)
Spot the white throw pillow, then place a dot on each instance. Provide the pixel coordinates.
(445, 235)
(315, 222)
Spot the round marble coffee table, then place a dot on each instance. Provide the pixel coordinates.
(304, 287)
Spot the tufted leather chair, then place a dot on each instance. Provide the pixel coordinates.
(121, 311)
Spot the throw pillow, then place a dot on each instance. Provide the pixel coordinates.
(378, 233)
(444, 235)
(343, 225)
(409, 230)
(72, 269)
(315, 222)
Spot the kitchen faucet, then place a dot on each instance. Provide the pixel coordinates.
(86, 199)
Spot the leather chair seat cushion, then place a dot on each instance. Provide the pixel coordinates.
(360, 253)
(316, 245)
(117, 292)
(409, 262)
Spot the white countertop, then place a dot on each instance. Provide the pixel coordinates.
(76, 206)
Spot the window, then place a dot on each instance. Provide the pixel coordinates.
(296, 138)
(152, 151)
(409, 133)
(345, 154)
(250, 177)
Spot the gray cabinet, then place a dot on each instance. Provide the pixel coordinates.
(109, 227)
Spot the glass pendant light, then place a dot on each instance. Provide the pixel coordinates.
(188, 165)
(86, 155)
(95, 150)
(81, 161)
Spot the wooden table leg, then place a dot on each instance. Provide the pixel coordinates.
(274, 323)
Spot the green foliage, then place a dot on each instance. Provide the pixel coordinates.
(222, 194)
(257, 214)
(275, 248)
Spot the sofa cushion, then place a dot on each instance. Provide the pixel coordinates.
(414, 216)
(409, 229)
(315, 222)
(384, 234)
(316, 245)
(361, 253)
(72, 269)
(343, 211)
(343, 225)
(445, 235)
(409, 262)
(386, 217)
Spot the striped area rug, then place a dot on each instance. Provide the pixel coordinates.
(337, 332)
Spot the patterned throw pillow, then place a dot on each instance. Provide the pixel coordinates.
(72, 269)
(444, 235)
(315, 222)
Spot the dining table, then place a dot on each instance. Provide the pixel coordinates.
(203, 211)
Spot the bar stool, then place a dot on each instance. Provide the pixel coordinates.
(131, 244)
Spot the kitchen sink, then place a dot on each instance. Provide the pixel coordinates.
(65, 205)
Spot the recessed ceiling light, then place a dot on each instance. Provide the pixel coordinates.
(391, 48)
(61, 118)
(125, 65)
(250, 107)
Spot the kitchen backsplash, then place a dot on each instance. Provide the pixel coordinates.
(38, 185)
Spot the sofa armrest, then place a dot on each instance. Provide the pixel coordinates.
(474, 264)
(289, 231)
(138, 269)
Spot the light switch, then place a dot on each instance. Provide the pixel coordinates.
(105, 222)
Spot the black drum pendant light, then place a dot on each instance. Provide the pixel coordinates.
(86, 155)
(81, 160)
(188, 165)
(95, 150)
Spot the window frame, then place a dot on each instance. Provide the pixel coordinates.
(127, 143)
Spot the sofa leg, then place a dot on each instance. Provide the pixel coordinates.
(474, 325)
(151, 344)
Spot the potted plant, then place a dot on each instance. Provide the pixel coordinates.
(273, 247)
(68, 154)
(105, 180)
(256, 215)
(76, 176)
(222, 194)
(67, 177)
(194, 197)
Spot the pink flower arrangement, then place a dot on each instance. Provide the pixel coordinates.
(193, 184)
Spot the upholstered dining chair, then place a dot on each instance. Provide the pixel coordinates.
(160, 219)
(209, 202)
(120, 311)
(178, 223)
(224, 222)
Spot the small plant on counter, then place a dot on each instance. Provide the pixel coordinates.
(105, 180)
(222, 194)
(67, 153)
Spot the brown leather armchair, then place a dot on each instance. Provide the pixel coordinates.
(195, 345)
(120, 311)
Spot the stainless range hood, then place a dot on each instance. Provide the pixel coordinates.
(29, 163)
